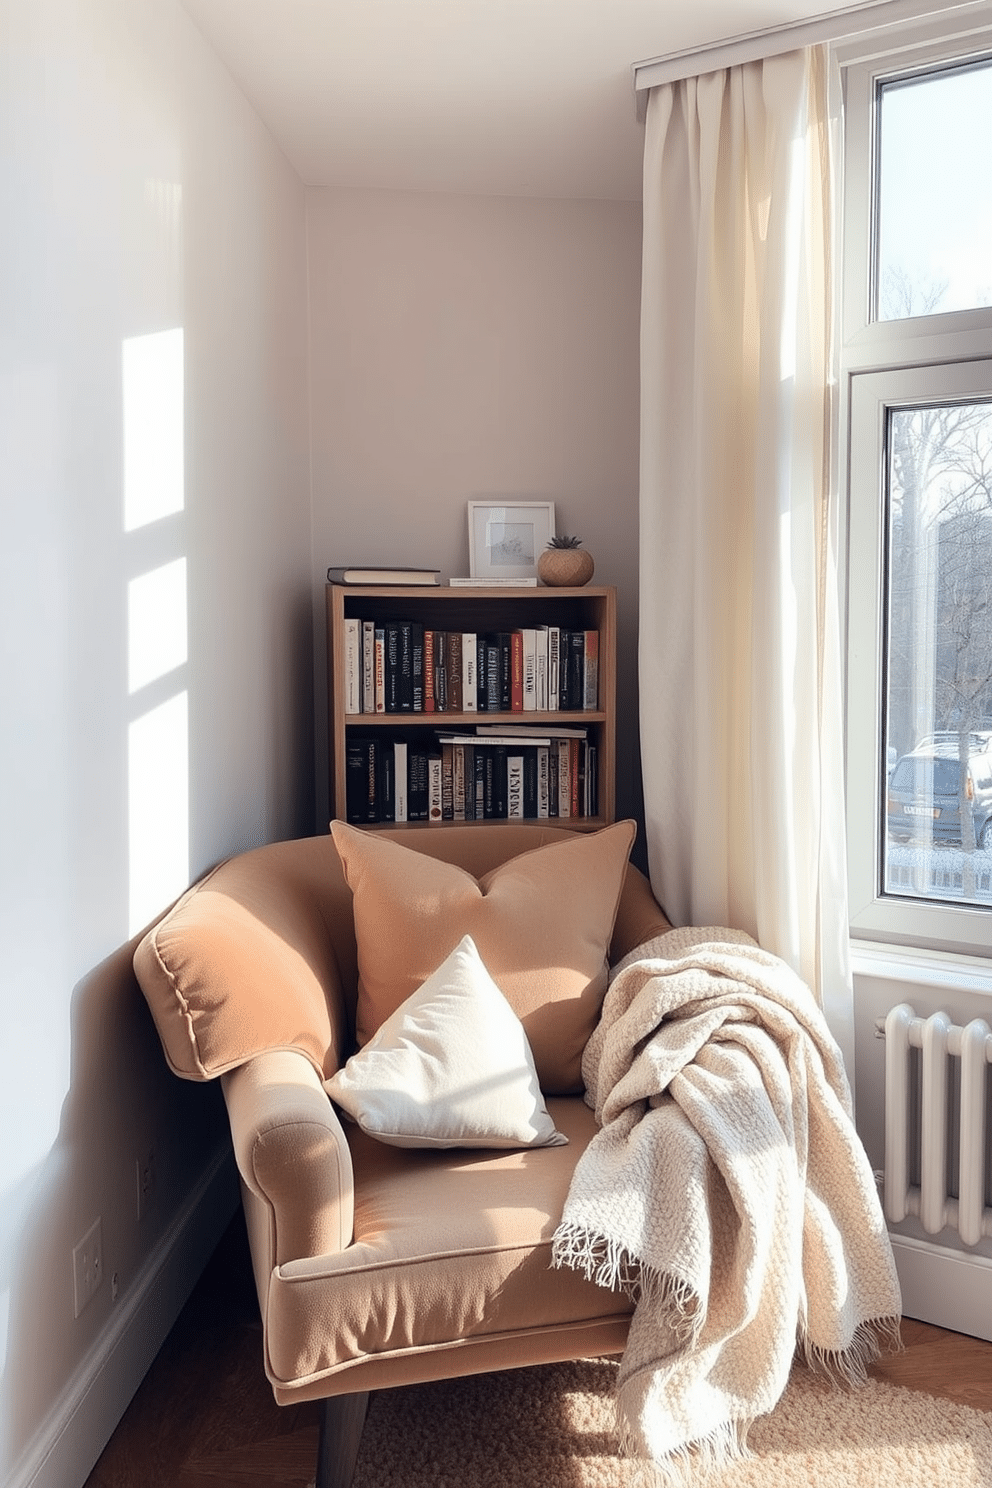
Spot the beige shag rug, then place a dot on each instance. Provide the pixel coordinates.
(553, 1427)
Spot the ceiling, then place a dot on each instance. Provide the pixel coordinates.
(494, 97)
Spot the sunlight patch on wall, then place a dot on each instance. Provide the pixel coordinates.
(158, 809)
(156, 624)
(157, 634)
(152, 368)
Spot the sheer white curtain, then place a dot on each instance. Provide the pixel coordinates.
(740, 682)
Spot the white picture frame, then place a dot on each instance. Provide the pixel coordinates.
(505, 539)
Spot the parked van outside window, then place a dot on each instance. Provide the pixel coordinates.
(924, 793)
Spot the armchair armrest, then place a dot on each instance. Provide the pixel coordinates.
(293, 1157)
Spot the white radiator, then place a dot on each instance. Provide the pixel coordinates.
(921, 1119)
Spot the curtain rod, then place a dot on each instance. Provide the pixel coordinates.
(851, 21)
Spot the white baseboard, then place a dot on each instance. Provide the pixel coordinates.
(947, 1288)
(82, 1420)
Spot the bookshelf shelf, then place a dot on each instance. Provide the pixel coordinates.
(478, 611)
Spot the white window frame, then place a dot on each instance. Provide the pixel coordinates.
(884, 365)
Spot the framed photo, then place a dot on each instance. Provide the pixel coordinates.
(505, 542)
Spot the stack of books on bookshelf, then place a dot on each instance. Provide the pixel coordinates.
(379, 574)
(492, 773)
(399, 666)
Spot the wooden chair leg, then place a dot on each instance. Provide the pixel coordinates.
(341, 1420)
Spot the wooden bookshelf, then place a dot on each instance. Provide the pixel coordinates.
(479, 610)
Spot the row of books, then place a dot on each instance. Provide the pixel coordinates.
(471, 777)
(399, 666)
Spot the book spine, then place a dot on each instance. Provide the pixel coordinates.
(470, 682)
(417, 785)
(481, 780)
(417, 665)
(352, 666)
(515, 787)
(499, 781)
(380, 669)
(530, 784)
(435, 812)
(541, 668)
(447, 782)
(440, 671)
(429, 636)
(505, 671)
(385, 782)
(368, 666)
(564, 783)
(529, 640)
(543, 794)
(458, 782)
(401, 779)
(455, 671)
(482, 698)
(392, 668)
(493, 690)
(517, 672)
(576, 669)
(372, 782)
(470, 785)
(590, 676)
(554, 666)
(489, 784)
(405, 690)
(355, 779)
(574, 776)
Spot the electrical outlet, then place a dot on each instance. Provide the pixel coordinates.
(144, 1168)
(87, 1267)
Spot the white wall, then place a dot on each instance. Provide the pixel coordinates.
(466, 347)
(140, 195)
(943, 1281)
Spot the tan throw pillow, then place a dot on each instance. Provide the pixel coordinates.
(450, 1068)
(542, 923)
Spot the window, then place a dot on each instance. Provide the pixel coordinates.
(934, 198)
(917, 416)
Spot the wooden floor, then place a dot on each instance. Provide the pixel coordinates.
(205, 1418)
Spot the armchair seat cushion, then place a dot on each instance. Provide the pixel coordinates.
(451, 1249)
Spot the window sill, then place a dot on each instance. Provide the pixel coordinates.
(928, 968)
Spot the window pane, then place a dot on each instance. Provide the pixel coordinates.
(938, 816)
(935, 193)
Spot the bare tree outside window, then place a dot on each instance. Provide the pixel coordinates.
(939, 632)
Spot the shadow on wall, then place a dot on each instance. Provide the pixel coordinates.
(124, 1112)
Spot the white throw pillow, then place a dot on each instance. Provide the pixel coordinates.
(451, 1067)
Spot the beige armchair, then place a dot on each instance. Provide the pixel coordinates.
(381, 1265)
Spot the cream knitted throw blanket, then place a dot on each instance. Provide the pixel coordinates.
(726, 1191)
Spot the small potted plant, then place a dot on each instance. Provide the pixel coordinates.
(564, 565)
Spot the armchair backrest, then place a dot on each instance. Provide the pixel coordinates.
(261, 953)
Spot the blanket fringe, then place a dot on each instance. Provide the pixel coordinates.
(849, 1366)
(688, 1465)
(608, 1263)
